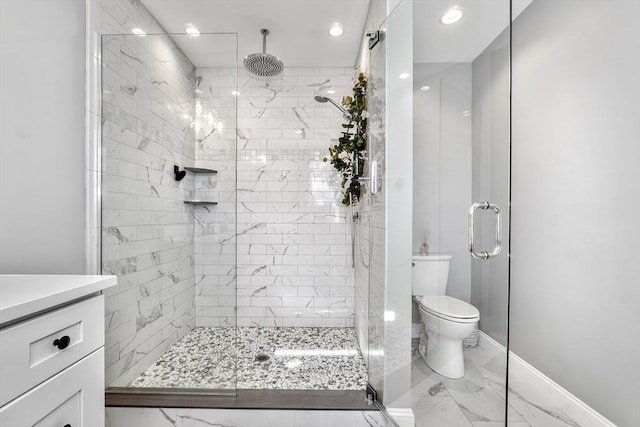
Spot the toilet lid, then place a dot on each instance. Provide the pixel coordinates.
(446, 306)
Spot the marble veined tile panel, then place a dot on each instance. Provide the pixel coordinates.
(185, 417)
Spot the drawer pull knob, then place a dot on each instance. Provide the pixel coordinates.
(67, 425)
(62, 343)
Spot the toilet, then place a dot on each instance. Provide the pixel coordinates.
(447, 320)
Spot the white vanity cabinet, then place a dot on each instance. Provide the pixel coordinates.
(52, 359)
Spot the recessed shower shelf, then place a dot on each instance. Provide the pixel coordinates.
(200, 170)
(199, 202)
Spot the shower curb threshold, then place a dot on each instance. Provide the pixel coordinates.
(346, 400)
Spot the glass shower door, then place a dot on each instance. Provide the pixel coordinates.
(169, 211)
(461, 194)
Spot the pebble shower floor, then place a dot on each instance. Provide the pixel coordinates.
(298, 359)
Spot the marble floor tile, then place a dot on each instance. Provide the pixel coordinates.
(438, 411)
(535, 397)
(190, 417)
(501, 424)
(477, 398)
(340, 418)
(538, 415)
(444, 402)
(261, 358)
(425, 382)
(140, 417)
(234, 418)
(484, 365)
(480, 396)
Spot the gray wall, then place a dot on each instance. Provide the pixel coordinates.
(490, 170)
(576, 157)
(442, 166)
(42, 133)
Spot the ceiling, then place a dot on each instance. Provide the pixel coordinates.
(463, 41)
(299, 29)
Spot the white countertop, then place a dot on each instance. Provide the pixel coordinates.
(24, 295)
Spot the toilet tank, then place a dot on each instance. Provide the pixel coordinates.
(430, 274)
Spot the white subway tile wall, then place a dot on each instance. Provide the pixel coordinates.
(293, 241)
(147, 230)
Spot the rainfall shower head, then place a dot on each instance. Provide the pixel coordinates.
(263, 64)
(324, 99)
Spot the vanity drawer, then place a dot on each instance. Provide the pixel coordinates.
(39, 348)
(74, 397)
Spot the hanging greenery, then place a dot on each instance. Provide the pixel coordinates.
(347, 156)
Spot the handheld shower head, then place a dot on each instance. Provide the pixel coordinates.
(324, 99)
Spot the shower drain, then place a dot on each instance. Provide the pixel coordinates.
(262, 358)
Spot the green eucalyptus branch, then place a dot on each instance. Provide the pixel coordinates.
(347, 156)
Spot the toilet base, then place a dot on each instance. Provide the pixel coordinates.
(446, 358)
(438, 357)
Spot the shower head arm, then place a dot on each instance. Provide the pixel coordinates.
(324, 99)
(264, 33)
(345, 113)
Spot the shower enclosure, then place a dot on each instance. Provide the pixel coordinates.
(223, 223)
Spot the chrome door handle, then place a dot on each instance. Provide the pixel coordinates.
(496, 249)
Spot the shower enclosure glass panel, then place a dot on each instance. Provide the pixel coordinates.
(385, 209)
(461, 145)
(372, 212)
(169, 210)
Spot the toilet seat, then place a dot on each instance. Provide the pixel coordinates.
(449, 308)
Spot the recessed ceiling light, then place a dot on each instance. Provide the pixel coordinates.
(425, 88)
(331, 92)
(336, 30)
(192, 31)
(404, 75)
(235, 93)
(452, 15)
(299, 131)
(138, 32)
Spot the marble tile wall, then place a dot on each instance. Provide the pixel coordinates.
(215, 237)
(147, 230)
(293, 240)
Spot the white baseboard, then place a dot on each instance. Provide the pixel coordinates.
(575, 408)
(402, 416)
